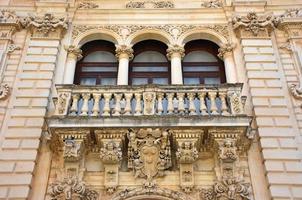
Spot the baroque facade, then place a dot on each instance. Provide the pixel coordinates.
(157, 100)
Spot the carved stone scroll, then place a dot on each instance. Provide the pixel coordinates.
(4, 91)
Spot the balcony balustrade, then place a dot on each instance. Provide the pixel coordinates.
(159, 100)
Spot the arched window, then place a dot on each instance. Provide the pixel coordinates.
(98, 66)
(150, 65)
(201, 64)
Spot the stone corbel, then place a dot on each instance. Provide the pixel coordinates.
(252, 25)
(46, 26)
(69, 147)
(110, 143)
(187, 142)
(230, 184)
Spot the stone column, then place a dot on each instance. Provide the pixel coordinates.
(124, 54)
(175, 53)
(74, 54)
(226, 54)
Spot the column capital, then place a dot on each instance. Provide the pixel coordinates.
(175, 50)
(124, 51)
(73, 52)
(46, 25)
(253, 25)
(9, 23)
(225, 50)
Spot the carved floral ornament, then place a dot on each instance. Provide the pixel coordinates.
(225, 49)
(174, 31)
(296, 92)
(175, 49)
(71, 188)
(212, 4)
(74, 51)
(4, 91)
(150, 4)
(87, 5)
(124, 50)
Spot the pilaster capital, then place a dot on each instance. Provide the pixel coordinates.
(225, 50)
(73, 52)
(291, 22)
(253, 25)
(175, 50)
(46, 25)
(9, 23)
(124, 51)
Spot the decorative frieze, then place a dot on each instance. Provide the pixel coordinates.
(212, 4)
(46, 25)
(174, 30)
(149, 153)
(253, 25)
(150, 4)
(71, 188)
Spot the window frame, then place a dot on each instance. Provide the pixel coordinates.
(88, 49)
(149, 45)
(210, 47)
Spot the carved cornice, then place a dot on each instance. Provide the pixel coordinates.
(253, 25)
(71, 188)
(74, 52)
(124, 51)
(9, 18)
(212, 4)
(225, 49)
(175, 50)
(87, 5)
(150, 4)
(46, 26)
(174, 30)
(4, 91)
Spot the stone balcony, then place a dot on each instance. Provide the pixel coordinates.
(150, 105)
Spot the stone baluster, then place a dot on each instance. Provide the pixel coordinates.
(106, 110)
(117, 109)
(192, 108)
(128, 97)
(213, 108)
(138, 108)
(181, 105)
(85, 108)
(224, 108)
(170, 97)
(160, 108)
(74, 106)
(202, 106)
(96, 105)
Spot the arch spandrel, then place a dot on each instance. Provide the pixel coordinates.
(205, 34)
(97, 34)
(146, 34)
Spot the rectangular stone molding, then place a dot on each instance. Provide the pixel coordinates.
(276, 129)
(25, 118)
